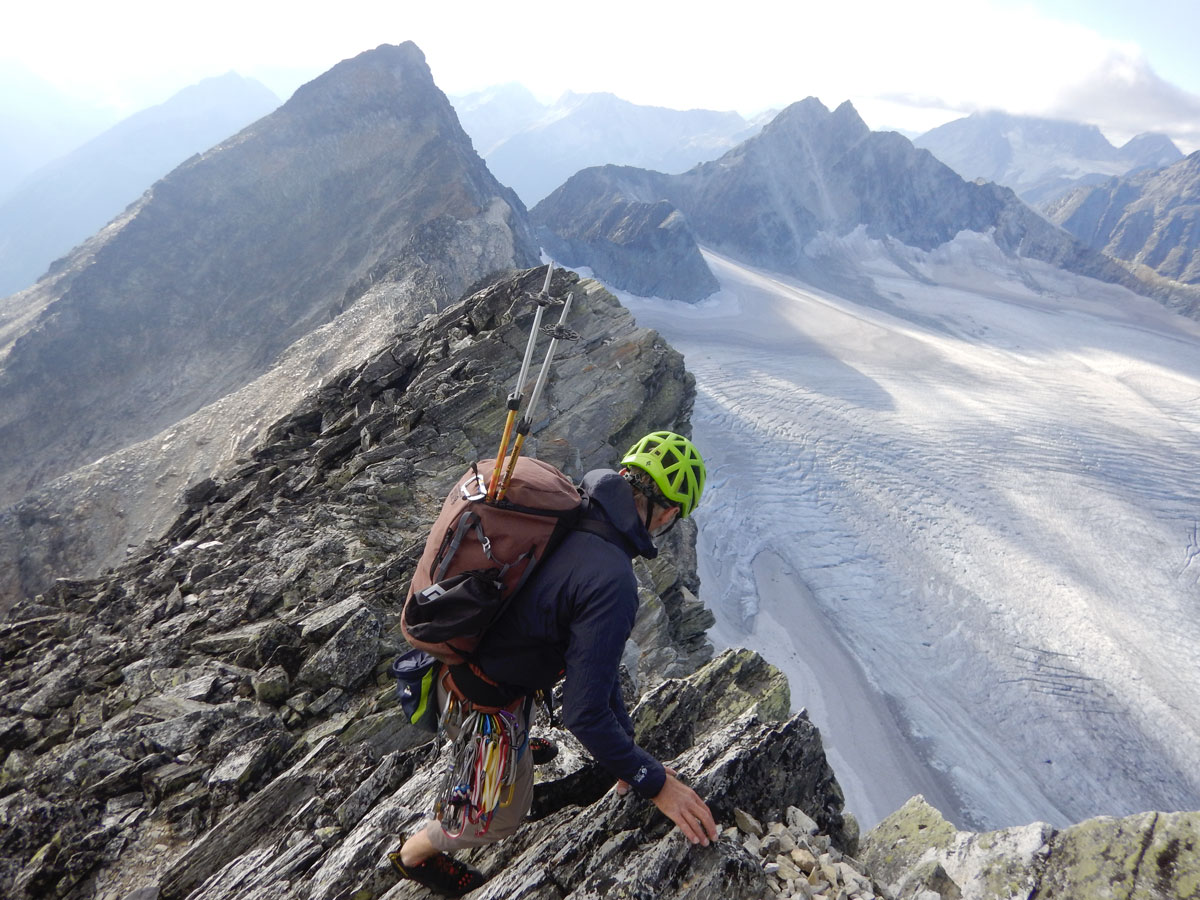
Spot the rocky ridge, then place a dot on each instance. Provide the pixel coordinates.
(215, 720)
(1148, 218)
(181, 300)
(143, 706)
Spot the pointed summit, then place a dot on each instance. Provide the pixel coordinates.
(364, 178)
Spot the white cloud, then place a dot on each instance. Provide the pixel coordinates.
(968, 54)
(1125, 97)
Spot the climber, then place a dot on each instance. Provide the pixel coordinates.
(573, 618)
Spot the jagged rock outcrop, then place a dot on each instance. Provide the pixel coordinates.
(583, 845)
(1144, 856)
(812, 173)
(229, 686)
(164, 345)
(67, 200)
(644, 248)
(1148, 218)
(1041, 159)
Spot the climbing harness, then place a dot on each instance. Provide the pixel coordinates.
(482, 774)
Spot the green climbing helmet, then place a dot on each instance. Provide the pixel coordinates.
(674, 464)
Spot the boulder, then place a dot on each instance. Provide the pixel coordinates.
(320, 625)
(348, 658)
(271, 685)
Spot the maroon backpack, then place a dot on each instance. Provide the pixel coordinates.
(479, 553)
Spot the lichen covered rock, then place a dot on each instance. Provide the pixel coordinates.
(1150, 855)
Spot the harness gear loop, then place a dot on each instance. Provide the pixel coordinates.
(483, 763)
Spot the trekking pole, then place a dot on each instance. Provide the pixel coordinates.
(557, 333)
(514, 399)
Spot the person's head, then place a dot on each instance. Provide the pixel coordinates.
(667, 474)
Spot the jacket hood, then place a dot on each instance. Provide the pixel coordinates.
(610, 496)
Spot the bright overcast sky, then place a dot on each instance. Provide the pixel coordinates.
(1126, 66)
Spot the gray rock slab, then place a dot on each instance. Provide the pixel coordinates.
(347, 658)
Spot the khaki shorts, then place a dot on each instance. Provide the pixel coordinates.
(507, 818)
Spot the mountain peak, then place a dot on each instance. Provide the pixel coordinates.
(849, 117)
(808, 110)
(219, 91)
(1150, 148)
(390, 70)
(1039, 158)
(810, 114)
(361, 184)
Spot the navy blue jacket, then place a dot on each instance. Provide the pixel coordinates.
(573, 617)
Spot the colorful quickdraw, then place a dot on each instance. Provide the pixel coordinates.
(483, 763)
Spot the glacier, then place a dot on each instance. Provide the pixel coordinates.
(957, 502)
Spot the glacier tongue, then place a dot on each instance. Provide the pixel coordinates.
(959, 510)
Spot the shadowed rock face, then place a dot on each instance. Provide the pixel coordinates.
(236, 254)
(1151, 218)
(642, 247)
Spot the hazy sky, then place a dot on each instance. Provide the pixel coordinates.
(1126, 66)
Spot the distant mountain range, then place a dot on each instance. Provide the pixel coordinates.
(39, 123)
(813, 172)
(1040, 158)
(1149, 218)
(255, 269)
(66, 201)
(533, 148)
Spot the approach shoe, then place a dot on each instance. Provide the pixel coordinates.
(442, 873)
(542, 750)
